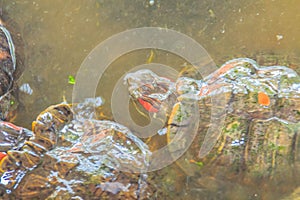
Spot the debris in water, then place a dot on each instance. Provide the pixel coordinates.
(279, 37)
(150, 58)
(211, 13)
(26, 89)
(151, 2)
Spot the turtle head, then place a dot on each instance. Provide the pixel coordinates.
(148, 89)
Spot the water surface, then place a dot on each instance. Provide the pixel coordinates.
(58, 35)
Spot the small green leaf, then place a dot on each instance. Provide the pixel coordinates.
(281, 148)
(71, 79)
(200, 164)
(235, 126)
(12, 102)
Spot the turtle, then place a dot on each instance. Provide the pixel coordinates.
(7, 69)
(258, 108)
(72, 156)
(63, 157)
(11, 136)
(11, 67)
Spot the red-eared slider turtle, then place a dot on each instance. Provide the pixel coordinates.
(260, 106)
(7, 69)
(70, 157)
(65, 158)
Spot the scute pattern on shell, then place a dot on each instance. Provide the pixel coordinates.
(255, 139)
(69, 157)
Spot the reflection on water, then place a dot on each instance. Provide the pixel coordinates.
(58, 35)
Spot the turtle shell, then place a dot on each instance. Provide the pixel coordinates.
(79, 157)
(99, 150)
(30, 152)
(248, 125)
(246, 122)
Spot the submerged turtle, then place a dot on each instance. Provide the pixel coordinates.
(65, 157)
(7, 69)
(249, 120)
(70, 157)
(11, 135)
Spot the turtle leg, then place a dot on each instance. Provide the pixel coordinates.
(35, 186)
(16, 163)
(48, 124)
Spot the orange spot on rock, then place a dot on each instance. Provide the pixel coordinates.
(263, 99)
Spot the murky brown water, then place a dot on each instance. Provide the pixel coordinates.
(58, 35)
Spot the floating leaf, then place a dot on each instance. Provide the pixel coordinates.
(200, 164)
(71, 79)
(150, 58)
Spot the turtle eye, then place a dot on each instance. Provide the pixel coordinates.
(144, 87)
(147, 88)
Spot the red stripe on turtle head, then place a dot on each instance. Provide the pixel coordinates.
(2, 155)
(147, 105)
(11, 125)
